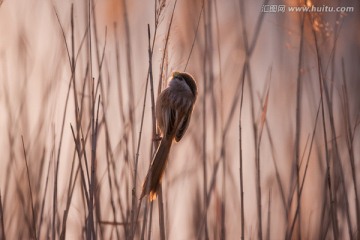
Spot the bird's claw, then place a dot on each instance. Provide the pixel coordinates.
(157, 138)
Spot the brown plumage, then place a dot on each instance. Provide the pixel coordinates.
(173, 112)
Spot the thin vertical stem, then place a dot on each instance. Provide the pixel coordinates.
(350, 145)
(327, 157)
(31, 198)
(298, 123)
(204, 124)
(2, 233)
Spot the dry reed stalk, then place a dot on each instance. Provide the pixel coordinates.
(3, 235)
(249, 46)
(268, 227)
(241, 169)
(298, 124)
(204, 123)
(30, 191)
(332, 200)
(161, 202)
(289, 234)
(350, 134)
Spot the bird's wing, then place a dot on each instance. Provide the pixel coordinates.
(183, 125)
(171, 116)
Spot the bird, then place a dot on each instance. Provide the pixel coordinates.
(173, 110)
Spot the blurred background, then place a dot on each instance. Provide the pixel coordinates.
(272, 150)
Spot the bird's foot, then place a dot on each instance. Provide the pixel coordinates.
(157, 138)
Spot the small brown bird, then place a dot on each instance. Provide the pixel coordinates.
(173, 112)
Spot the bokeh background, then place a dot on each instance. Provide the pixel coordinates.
(272, 150)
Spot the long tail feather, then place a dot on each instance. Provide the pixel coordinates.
(153, 177)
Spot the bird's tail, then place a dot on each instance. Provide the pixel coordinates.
(153, 177)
